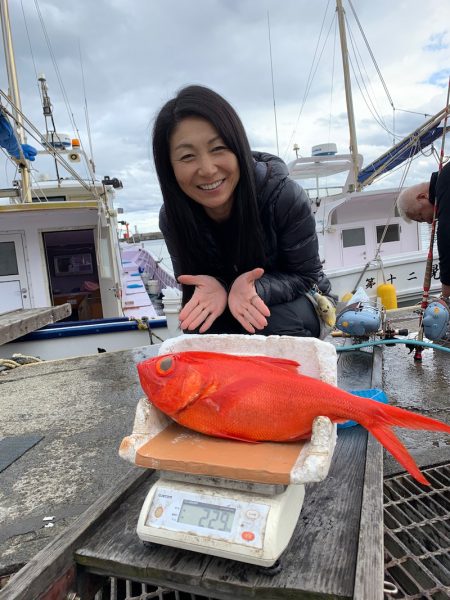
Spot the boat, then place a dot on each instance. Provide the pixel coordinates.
(59, 244)
(363, 241)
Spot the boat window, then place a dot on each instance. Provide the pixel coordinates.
(353, 237)
(8, 259)
(392, 233)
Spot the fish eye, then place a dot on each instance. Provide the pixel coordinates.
(165, 365)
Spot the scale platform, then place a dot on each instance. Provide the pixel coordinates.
(182, 450)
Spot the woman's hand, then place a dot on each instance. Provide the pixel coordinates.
(244, 303)
(207, 303)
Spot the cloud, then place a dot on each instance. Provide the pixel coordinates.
(437, 42)
(440, 78)
(123, 60)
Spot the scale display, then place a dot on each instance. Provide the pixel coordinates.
(226, 522)
(206, 515)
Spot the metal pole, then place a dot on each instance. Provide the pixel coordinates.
(14, 95)
(348, 93)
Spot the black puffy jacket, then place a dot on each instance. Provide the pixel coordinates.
(293, 265)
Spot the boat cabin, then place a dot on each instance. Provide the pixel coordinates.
(62, 247)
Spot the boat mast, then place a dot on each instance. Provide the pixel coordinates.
(348, 93)
(14, 95)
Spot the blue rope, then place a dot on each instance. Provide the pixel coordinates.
(393, 341)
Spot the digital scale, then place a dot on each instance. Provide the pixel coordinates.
(252, 523)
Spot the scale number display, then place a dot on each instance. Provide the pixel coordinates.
(189, 513)
(210, 516)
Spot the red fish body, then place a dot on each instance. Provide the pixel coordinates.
(259, 398)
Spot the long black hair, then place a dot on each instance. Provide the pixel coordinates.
(183, 214)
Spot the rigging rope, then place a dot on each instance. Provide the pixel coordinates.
(374, 112)
(273, 86)
(371, 54)
(61, 84)
(309, 79)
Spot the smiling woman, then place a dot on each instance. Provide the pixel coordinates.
(240, 233)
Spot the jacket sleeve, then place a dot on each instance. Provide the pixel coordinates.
(298, 263)
(443, 227)
(170, 242)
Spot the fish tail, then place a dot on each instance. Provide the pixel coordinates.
(390, 441)
(384, 416)
(400, 417)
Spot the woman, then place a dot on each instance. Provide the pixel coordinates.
(240, 233)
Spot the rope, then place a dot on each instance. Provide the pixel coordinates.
(374, 112)
(310, 76)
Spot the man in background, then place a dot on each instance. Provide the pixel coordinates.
(417, 203)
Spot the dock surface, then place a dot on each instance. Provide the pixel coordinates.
(83, 407)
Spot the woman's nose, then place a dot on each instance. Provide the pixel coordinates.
(207, 166)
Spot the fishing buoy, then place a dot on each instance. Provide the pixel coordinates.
(388, 295)
(346, 297)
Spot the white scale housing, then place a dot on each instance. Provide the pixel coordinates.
(235, 524)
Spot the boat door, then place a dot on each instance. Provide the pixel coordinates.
(354, 243)
(14, 286)
(109, 275)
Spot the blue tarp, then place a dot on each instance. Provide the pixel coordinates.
(402, 152)
(9, 142)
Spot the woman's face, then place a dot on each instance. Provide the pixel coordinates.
(205, 169)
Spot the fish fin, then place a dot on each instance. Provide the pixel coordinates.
(194, 356)
(283, 363)
(390, 441)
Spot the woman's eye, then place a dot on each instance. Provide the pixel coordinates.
(219, 148)
(186, 157)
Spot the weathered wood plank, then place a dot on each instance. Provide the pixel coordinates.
(47, 565)
(17, 323)
(370, 562)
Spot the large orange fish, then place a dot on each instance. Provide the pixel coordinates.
(258, 398)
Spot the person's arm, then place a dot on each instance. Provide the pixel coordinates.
(298, 249)
(443, 227)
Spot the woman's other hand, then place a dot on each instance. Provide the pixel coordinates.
(207, 303)
(244, 303)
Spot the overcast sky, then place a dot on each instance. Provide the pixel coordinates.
(135, 55)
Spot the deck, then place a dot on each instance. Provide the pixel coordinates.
(336, 550)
